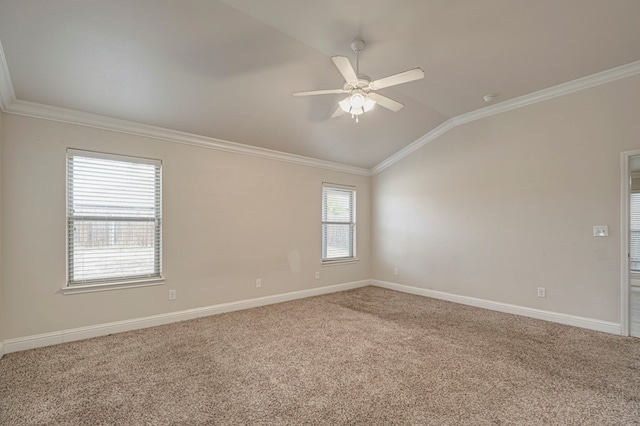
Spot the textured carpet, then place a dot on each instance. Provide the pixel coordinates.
(368, 356)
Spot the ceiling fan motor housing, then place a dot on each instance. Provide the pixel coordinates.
(362, 83)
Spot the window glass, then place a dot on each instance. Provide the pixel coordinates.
(338, 223)
(114, 218)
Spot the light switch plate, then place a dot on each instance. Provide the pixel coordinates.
(601, 231)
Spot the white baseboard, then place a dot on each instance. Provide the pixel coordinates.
(70, 335)
(56, 337)
(588, 323)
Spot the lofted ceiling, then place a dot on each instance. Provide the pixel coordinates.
(226, 69)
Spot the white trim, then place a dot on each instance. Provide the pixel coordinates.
(115, 285)
(339, 186)
(73, 152)
(414, 146)
(625, 189)
(1, 349)
(56, 337)
(7, 95)
(587, 82)
(346, 261)
(576, 321)
(31, 109)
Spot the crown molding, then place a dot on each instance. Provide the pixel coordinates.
(7, 95)
(414, 146)
(9, 104)
(583, 83)
(46, 112)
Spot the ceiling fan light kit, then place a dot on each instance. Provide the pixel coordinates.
(362, 97)
(357, 104)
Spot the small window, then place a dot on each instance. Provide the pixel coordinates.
(114, 219)
(338, 223)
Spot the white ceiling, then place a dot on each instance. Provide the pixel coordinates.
(226, 69)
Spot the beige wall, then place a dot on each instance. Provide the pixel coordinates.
(492, 209)
(495, 208)
(228, 219)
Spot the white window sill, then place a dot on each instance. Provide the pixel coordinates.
(331, 262)
(115, 285)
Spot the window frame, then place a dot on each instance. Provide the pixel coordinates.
(632, 195)
(104, 284)
(352, 223)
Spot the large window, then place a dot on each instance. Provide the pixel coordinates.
(114, 214)
(338, 223)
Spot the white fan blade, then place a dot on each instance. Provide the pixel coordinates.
(337, 113)
(319, 92)
(388, 103)
(392, 80)
(345, 68)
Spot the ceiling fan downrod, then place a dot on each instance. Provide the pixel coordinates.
(357, 46)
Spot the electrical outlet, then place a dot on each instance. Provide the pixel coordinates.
(172, 295)
(317, 275)
(258, 283)
(542, 292)
(396, 271)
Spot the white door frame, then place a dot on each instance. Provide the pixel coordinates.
(625, 188)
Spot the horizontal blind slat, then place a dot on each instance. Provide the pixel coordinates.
(338, 223)
(114, 219)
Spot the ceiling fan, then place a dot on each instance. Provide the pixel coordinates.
(361, 90)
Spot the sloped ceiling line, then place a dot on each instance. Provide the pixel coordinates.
(9, 104)
(7, 95)
(603, 77)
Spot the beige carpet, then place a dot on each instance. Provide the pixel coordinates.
(368, 356)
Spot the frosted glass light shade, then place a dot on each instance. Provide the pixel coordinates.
(344, 104)
(356, 100)
(357, 104)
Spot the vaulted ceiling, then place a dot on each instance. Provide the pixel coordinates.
(226, 69)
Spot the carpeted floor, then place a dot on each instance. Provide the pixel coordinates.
(368, 356)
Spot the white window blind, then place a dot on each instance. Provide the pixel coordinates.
(114, 207)
(338, 223)
(634, 235)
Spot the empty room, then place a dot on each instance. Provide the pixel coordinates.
(375, 212)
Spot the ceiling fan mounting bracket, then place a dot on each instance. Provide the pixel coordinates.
(357, 46)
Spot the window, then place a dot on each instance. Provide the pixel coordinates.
(338, 223)
(634, 236)
(114, 219)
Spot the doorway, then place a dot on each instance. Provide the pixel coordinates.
(630, 244)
